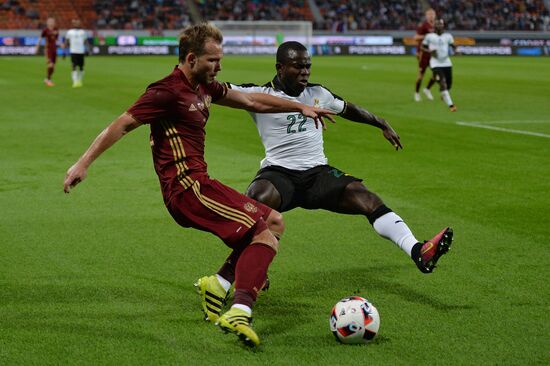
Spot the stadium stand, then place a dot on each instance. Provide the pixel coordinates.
(329, 15)
(255, 10)
(354, 15)
(524, 15)
(141, 14)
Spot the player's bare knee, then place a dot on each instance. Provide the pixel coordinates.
(266, 238)
(276, 224)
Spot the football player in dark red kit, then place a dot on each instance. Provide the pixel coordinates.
(50, 34)
(177, 108)
(423, 57)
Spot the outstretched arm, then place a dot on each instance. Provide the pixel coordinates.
(265, 103)
(357, 114)
(455, 49)
(107, 138)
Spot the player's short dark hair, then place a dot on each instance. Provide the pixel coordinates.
(194, 37)
(284, 48)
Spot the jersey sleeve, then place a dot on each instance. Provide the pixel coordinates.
(153, 105)
(217, 90)
(332, 101)
(451, 39)
(248, 88)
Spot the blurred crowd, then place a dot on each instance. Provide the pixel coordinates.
(527, 15)
(336, 15)
(254, 10)
(355, 15)
(141, 14)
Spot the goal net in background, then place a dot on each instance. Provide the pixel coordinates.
(262, 37)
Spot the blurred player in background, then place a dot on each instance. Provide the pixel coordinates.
(50, 34)
(295, 171)
(423, 57)
(177, 109)
(437, 44)
(76, 40)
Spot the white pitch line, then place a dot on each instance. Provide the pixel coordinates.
(519, 132)
(509, 122)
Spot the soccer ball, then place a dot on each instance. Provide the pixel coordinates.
(354, 320)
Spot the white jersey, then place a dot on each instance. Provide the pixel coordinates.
(290, 139)
(439, 43)
(77, 38)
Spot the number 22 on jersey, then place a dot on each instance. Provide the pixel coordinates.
(293, 119)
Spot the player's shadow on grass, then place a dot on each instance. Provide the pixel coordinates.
(365, 279)
(303, 294)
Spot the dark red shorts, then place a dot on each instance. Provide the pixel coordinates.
(211, 206)
(424, 61)
(51, 55)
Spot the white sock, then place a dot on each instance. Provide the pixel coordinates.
(74, 76)
(80, 75)
(447, 97)
(243, 307)
(392, 227)
(225, 283)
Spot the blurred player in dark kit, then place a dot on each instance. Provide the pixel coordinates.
(423, 57)
(51, 35)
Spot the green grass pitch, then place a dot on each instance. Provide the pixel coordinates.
(104, 275)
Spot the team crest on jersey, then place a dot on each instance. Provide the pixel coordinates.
(192, 108)
(208, 101)
(316, 102)
(249, 207)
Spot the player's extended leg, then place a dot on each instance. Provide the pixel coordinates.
(250, 275)
(226, 273)
(431, 82)
(214, 289)
(418, 83)
(74, 76)
(75, 62)
(50, 66)
(444, 89)
(426, 90)
(80, 73)
(357, 199)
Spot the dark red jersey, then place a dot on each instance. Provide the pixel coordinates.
(177, 114)
(51, 36)
(422, 30)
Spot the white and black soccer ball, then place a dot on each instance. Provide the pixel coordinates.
(354, 320)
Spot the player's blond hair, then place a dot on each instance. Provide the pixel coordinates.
(194, 37)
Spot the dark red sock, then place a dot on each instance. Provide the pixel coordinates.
(417, 86)
(227, 270)
(431, 83)
(50, 72)
(251, 272)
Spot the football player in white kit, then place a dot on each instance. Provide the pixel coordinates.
(295, 170)
(438, 44)
(76, 40)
